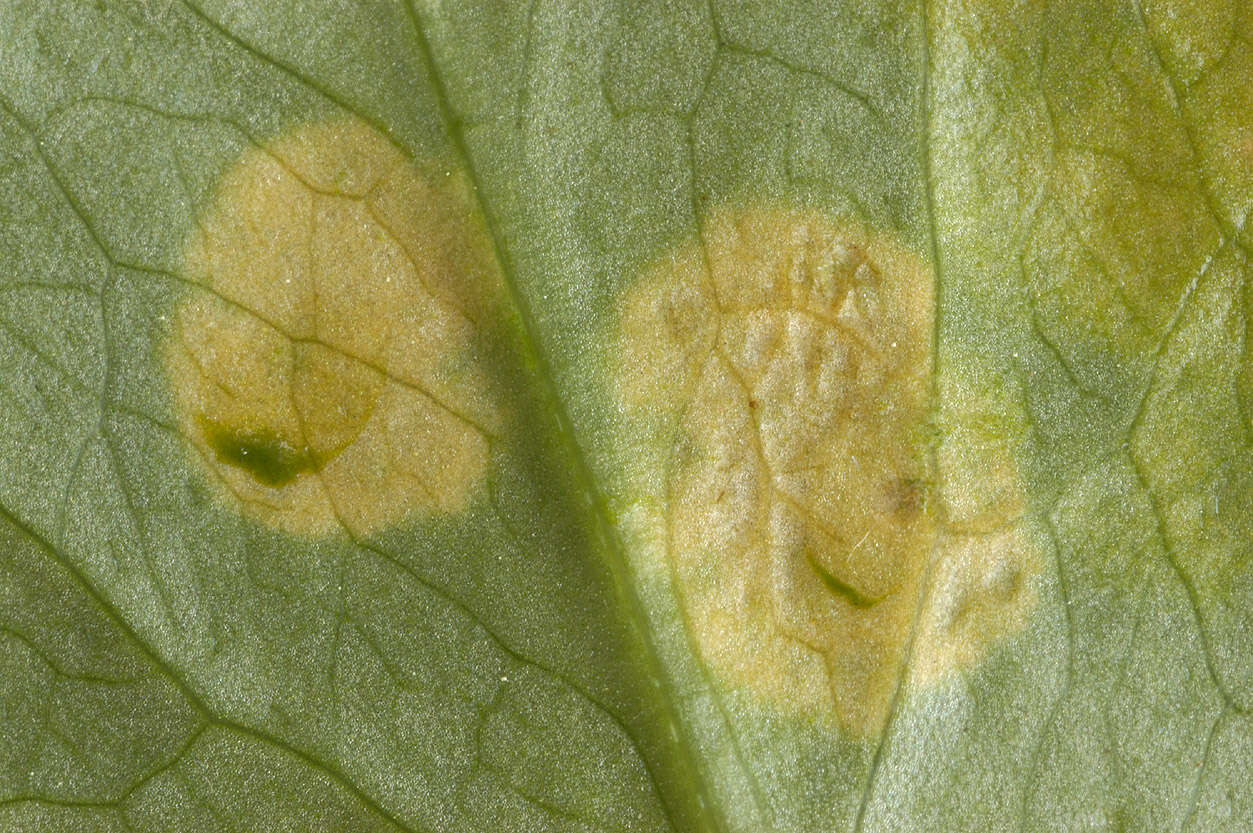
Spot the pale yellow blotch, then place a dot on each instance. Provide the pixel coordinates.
(788, 357)
(326, 370)
(983, 582)
(982, 589)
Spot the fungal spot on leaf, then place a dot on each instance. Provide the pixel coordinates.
(271, 459)
(325, 367)
(784, 361)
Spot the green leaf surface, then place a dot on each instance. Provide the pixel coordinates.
(642, 416)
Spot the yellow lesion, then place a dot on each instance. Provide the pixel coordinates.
(988, 555)
(789, 358)
(981, 589)
(326, 368)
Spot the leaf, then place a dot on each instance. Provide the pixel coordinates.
(646, 416)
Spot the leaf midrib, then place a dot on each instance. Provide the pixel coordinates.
(562, 426)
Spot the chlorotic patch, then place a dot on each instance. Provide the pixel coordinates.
(785, 361)
(324, 363)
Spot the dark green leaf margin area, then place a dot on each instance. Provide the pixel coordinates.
(1072, 170)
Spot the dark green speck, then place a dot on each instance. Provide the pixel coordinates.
(269, 458)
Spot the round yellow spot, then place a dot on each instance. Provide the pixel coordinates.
(785, 361)
(325, 367)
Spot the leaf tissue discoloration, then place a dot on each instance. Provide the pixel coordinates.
(789, 357)
(327, 373)
(271, 459)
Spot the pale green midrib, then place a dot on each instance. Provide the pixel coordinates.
(925, 163)
(563, 428)
(207, 715)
